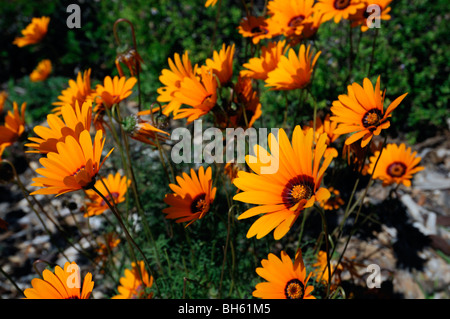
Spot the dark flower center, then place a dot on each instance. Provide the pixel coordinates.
(396, 169)
(341, 4)
(296, 21)
(206, 98)
(298, 188)
(294, 289)
(198, 204)
(372, 118)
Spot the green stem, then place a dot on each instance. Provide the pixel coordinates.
(136, 193)
(128, 236)
(327, 245)
(11, 280)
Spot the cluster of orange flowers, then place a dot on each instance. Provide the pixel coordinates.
(72, 142)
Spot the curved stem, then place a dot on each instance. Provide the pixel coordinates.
(127, 235)
(327, 246)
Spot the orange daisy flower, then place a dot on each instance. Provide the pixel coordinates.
(132, 61)
(117, 186)
(199, 94)
(258, 68)
(115, 90)
(34, 32)
(293, 72)
(14, 125)
(74, 167)
(73, 122)
(282, 195)
(133, 285)
(334, 202)
(179, 69)
(110, 241)
(361, 112)
(211, 3)
(78, 91)
(3, 97)
(338, 9)
(290, 14)
(361, 16)
(397, 164)
(285, 280)
(256, 28)
(248, 104)
(42, 71)
(142, 130)
(221, 64)
(62, 284)
(192, 197)
(321, 270)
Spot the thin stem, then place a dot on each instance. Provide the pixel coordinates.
(127, 235)
(372, 56)
(136, 192)
(213, 39)
(11, 280)
(350, 55)
(325, 230)
(360, 205)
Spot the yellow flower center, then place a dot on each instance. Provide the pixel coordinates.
(294, 289)
(298, 188)
(341, 4)
(396, 169)
(301, 192)
(372, 118)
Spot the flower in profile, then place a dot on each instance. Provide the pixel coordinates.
(283, 194)
(290, 14)
(115, 90)
(221, 64)
(293, 72)
(361, 17)
(200, 95)
(132, 61)
(3, 97)
(34, 32)
(42, 71)
(116, 185)
(78, 91)
(61, 284)
(285, 279)
(180, 68)
(248, 106)
(338, 9)
(334, 202)
(142, 130)
(73, 122)
(135, 283)
(74, 167)
(361, 112)
(325, 126)
(397, 165)
(256, 28)
(258, 68)
(192, 196)
(105, 247)
(321, 270)
(14, 125)
(211, 3)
